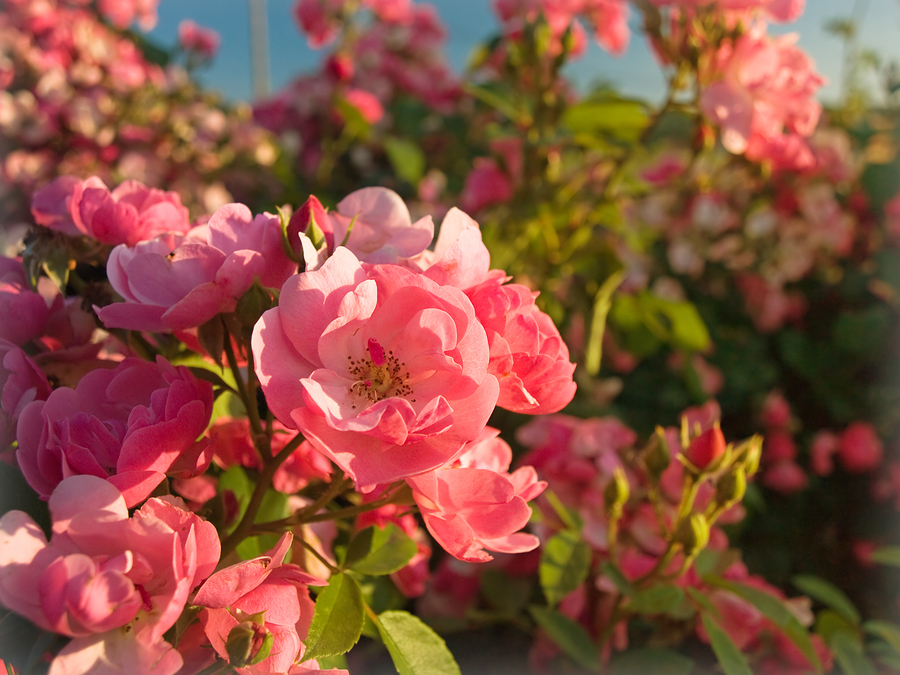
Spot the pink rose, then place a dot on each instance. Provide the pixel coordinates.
(174, 282)
(131, 213)
(121, 13)
(232, 596)
(102, 570)
(767, 92)
(195, 38)
(130, 425)
(468, 510)
(382, 369)
(50, 205)
(19, 301)
(21, 382)
(383, 231)
(477, 505)
(528, 356)
(860, 448)
(366, 103)
(487, 184)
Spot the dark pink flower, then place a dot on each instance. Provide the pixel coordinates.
(366, 103)
(487, 184)
(21, 382)
(130, 425)
(382, 369)
(860, 448)
(130, 214)
(18, 300)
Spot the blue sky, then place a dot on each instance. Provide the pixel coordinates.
(469, 21)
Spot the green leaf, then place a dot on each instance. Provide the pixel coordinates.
(618, 578)
(703, 601)
(888, 632)
(648, 661)
(848, 652)
(235, 480)
(505, 592)
(730, 657)
(777, 613)
(887, 555)
(379, 550)
(828, 594)
(338, 619)
(660, 599)
(565, 563)
(406, 157)
(676, 322)
(414, 647)
(829, 622)
(569, 636)
(274, 507)
(621, 118)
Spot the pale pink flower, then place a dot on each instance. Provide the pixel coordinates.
(50, 205)
(177, 282)
(861, 449)
(130, 425)
(468, 510)
(264, 584)
(121, 13)
(383, 231)
(101, 571)
(195, 38)
(21, 382)
(382, 369)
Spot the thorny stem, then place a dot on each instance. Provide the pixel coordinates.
(262, 485)
(355, 510)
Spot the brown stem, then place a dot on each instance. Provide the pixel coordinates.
(259, 492)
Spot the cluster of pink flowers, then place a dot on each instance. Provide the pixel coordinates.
(768, 241)
(608, 20)
(67, 76)
(389, 357)
(397, 53)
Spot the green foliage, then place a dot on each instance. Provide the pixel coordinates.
(414, 647)
(828, 594)
(730, 657)
(850, 654)
(565, 564)
(274, 507)
(643, 661)
(568, 636)
(406, 158)
(378, 551)
(338, 619)
(659, 599)
(777, 613)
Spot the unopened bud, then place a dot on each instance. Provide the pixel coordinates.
(249, 642)
(731, 486)
(310, 219)
(705, 449)
(753, 455)
(657, 455)
(616, 492)
(252, 304)
(693, 534)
